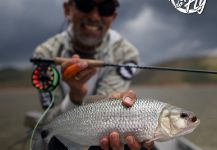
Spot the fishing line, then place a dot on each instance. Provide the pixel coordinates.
(40, 119)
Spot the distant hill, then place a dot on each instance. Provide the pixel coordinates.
(12, 77)
(168, 77)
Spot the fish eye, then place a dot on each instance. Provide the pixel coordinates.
(183, 115)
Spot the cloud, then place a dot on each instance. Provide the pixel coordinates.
(149, 24)
(151, 33)
(145, 21)
(156, 28)
(25, 24)
(12, 6)
(160, 32)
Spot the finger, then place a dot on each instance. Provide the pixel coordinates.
(75, 59)
(115, 96)
(148, 145)
(76, 56)
(115, 141)
(85, 74)
(118, 95)
(66, 64)
(104, 143)
(129, 98)
(132, 143)
(82, 64)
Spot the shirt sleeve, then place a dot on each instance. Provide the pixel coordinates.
(49, 48)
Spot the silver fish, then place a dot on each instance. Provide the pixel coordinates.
(147, 119)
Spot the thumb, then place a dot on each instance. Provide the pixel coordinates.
(129, 98)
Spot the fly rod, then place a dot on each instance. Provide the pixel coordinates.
(99, 63)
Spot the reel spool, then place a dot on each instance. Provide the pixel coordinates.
(45, 78)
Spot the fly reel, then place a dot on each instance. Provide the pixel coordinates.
(45, 77)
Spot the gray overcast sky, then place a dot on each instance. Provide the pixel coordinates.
(155, 27)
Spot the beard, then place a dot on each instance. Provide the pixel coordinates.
(88, 41)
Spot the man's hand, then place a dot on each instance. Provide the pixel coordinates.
(128, 98)
(76, 73)
(113, 140)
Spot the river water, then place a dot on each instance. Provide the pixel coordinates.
(202, 100)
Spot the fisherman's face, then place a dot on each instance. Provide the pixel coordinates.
(90, 21)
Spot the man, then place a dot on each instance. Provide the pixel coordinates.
(89, 36)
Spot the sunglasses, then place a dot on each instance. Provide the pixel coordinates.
(106, 8)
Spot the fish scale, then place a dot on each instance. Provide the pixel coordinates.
(86, 124)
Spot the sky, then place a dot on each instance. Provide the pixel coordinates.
(155, 27)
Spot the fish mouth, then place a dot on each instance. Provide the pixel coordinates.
(190, 129)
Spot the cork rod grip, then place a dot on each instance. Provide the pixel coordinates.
(91, 62)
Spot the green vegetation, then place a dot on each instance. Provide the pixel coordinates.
(11, 77)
